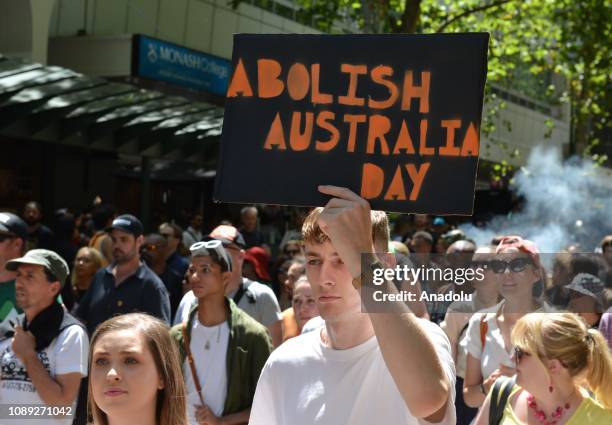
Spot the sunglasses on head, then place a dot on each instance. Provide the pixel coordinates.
(516, 265)
(519, 354)
(205, 244)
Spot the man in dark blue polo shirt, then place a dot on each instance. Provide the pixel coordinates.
(127, 285)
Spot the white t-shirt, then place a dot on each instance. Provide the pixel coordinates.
(455, 325)
(67, 353)
(259, 302)
(307, 383)
(313, 324)
(210, 366)
(494, 353)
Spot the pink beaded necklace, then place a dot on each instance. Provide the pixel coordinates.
(541, 416)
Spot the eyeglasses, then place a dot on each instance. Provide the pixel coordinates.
(149, 247)
(214, 244)
(516, 265)
(519, 354)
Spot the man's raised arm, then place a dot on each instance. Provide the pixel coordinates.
(409, 353)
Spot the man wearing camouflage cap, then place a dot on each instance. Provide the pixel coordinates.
(44, 361)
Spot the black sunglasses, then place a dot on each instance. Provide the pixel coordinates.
(519, 354)
(516, 265)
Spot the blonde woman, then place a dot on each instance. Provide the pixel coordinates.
(557, 360)
(135, 376)
(86, 263)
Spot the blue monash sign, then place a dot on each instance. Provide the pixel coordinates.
(160, 60)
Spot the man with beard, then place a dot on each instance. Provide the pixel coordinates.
(127, 285)
(39, 235)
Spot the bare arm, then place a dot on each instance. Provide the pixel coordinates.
(421, 381)
(417, 307)
(237, 418)
(61, 391)
(453, 325)
(473, 382)
(483, 414)
(276, 332)
(205, 416)
(472, 391)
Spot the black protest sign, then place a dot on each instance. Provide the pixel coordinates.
(395, 118)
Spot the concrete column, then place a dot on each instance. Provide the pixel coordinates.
(41, 19)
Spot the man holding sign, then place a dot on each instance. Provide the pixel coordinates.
(392, 121)
(361, 368)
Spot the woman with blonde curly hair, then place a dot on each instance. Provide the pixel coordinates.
(564, 375)
(86, 263)
(135, 376)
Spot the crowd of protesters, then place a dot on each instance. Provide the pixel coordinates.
(263, 323)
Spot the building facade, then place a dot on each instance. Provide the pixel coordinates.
(100, 38)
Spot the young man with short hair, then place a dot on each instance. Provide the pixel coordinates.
(222, 348)
(256, 299)
(361, 368)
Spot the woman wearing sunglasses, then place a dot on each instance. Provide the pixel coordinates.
(559, 364)
(516, 269)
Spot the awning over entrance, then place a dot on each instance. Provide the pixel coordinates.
(54, 104)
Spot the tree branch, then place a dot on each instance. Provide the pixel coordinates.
(410, 17)
(469, 12)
